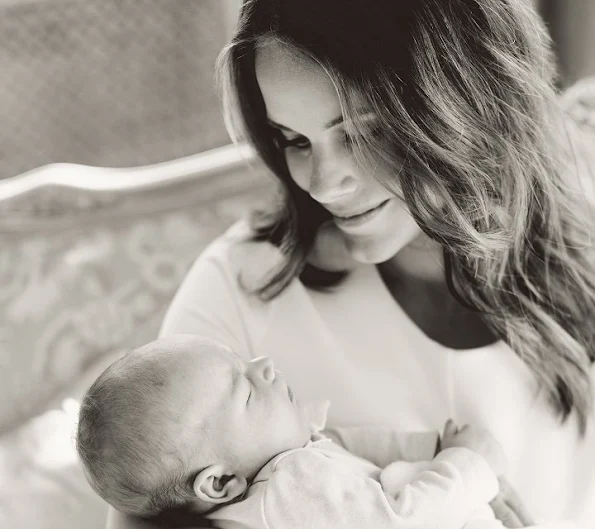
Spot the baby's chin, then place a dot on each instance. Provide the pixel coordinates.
(313, 416)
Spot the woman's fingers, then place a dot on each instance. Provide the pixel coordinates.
(450, 428)
(505, 513)
(514, 503)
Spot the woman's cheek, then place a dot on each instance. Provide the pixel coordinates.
(300, 169)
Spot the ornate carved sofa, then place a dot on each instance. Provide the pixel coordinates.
(89, 260)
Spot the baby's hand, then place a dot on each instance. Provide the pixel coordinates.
(477, 439)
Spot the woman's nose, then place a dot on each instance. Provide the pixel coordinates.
(263, 368)
(332, 180)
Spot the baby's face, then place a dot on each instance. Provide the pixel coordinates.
(245, 411)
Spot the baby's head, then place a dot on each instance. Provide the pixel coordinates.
(183, 423)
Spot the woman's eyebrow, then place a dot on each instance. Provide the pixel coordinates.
(330, 124)
(333, 122)
(363, 114)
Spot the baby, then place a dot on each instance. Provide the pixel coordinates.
(183, 424)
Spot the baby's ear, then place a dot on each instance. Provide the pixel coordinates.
(215, 484)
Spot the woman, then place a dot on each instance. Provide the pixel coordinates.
(430, 255)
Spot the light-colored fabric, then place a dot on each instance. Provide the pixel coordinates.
(85, 273)
(382, 445)
(322, 485)
(356, 347)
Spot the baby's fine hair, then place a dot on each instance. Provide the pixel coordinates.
(127, 461)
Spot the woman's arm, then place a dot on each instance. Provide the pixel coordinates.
(209, 300)
(117, 520)
(509, 508)
(383, 444)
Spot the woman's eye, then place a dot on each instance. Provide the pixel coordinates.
(300, 142)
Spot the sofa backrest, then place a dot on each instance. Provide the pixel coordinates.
(90, 258)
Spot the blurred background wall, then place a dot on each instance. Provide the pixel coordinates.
(108, 82)
(130, 82)
(572, 26)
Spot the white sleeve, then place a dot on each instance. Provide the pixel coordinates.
(452, 487)
(207, 303)
(310, 490)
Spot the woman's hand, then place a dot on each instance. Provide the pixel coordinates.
(477, 439)
(508, 507)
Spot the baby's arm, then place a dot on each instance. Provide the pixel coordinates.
(309, 489)
(383, 445)
(445, 492)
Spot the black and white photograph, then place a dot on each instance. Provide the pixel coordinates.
(297, 264)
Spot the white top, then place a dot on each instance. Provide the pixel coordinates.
(357, 348)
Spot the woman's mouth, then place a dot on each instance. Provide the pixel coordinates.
(360, 219)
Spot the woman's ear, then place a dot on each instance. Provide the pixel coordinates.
(215, 484)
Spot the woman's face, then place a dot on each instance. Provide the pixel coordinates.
(303, 105)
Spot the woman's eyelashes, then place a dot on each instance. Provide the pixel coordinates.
(302, 143)
(299, 142)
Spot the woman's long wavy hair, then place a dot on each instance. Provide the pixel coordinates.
(463, 92)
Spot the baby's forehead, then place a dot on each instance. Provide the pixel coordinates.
(206, 358)
(201, 381)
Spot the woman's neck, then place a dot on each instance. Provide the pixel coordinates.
(416, 280)
(421, 260)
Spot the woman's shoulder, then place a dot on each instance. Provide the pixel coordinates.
(238, 255)
(215, 299)
(578, 104)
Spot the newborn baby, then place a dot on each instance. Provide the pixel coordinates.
(183, 423)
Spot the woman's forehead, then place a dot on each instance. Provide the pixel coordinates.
(297, 92)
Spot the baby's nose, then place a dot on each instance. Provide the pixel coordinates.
(264, 368)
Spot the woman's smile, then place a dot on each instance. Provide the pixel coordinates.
(355, 222)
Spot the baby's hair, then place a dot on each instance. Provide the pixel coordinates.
(126, 460)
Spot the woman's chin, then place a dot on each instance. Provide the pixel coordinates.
(372, 251)
(398, 231)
